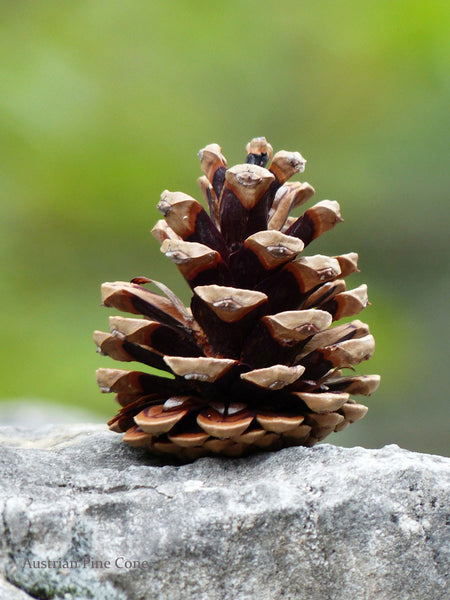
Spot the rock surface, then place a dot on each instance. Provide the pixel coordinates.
(83, 516)
(34, 412)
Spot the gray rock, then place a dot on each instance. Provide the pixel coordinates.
(84, 516)
(34, 412)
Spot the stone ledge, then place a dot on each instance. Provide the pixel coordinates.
(316, 523)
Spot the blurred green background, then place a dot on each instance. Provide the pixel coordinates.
(104, 104)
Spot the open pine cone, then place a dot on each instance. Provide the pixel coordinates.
(254, 364)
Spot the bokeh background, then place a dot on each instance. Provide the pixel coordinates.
(104, 104)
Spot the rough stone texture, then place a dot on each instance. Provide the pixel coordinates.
(317, 523)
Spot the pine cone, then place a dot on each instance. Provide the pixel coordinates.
(254, 364)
